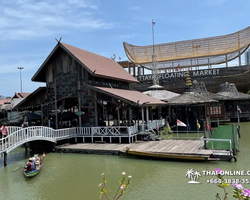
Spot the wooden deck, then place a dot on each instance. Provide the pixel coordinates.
(170, 147)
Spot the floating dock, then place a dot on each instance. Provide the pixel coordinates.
(163, 149)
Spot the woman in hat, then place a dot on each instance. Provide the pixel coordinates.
(4, 130)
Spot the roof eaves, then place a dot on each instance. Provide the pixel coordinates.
(45, 62)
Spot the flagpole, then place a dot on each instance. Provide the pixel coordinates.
(177, 129)
(238, 113)
(153, 37)
(198, 130)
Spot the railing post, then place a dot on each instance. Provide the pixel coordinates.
(5, 159)
(234, 143)
(204, 134)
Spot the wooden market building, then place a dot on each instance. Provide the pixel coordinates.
(86, 89)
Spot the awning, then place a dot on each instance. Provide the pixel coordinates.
(129, 95)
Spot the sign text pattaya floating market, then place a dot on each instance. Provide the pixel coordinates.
(181, 74)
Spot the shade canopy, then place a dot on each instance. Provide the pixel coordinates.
(199, 87)
(190, 98)
(197, 52)
(163, 95)
(230, 91)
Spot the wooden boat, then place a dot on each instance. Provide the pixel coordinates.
(172, 156)
(37, 164)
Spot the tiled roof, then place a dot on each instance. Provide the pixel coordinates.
(130, 95)
(29, 98)
(96, 65)
(21, 95)
(2, 101)
(100, 65)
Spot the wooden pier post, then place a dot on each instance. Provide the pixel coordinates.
(234, 143)
(204, 134)
(5, 159)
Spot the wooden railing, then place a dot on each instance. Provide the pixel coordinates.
(18, 135)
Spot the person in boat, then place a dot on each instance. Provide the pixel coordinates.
(37, 161)
(30, 165)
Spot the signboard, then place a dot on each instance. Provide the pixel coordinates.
(79, 112)
(181, 74)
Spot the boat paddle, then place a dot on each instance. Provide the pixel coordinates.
(16, 169)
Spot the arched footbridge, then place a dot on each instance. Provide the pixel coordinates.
(18, 136)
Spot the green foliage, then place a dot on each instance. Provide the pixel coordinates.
(166, 133)
(123, 186)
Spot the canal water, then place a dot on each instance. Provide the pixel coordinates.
(77, 176)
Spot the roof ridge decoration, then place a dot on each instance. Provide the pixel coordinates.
(196, 52)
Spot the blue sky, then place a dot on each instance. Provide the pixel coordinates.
(28, 29)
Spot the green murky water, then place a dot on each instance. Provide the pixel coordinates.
(77, 176)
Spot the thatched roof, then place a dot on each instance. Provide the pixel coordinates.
(190, 98)
(199, 87)
(230, 91)
(160, 94)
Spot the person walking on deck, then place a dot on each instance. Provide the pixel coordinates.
(4, 130)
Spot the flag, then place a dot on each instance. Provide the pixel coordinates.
(168, 126)
(208, 127)
(180, 123)
(238, 108)
(157, 125)
(198, 125)
(177, 68)
(153, 22)
(188, 126)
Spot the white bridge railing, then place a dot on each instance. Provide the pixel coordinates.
(18, 135)
(156, 124)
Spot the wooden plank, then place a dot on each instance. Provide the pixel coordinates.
(185, 147)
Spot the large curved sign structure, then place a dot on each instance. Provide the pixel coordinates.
(188, 53)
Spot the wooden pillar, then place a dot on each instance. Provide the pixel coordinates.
(107, 113)
(41, 114)
(79, 103)
(169, 114)
(147, 115)
(239, 59)
(5, 159)
(96, 114)
(226, 61)
(128, 114)
(118, 114)
(129, 70)
(134, 70)
(142, 118)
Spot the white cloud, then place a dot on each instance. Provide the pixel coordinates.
(135, 8)
(82, 4)
(128, 36)
(32, 19)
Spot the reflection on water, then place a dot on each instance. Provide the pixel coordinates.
(76, 176)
